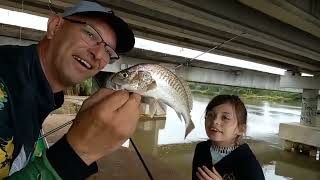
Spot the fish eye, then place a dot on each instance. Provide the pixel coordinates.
(124, 75)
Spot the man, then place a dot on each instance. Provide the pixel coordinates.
(78, 44)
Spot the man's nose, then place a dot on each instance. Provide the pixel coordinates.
(99, 52)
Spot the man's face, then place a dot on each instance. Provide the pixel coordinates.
(72, 58)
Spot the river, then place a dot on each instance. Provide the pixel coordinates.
(164, 139)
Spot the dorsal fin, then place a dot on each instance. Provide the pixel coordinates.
(188, 92)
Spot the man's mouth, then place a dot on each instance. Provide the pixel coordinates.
(83, 62)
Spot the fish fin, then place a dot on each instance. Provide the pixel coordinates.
(152, 102)
(188, 123)
(179, 115)
(145, 100)
(156, 106)
(189, 128)
(162, 106)
(188, 92)
(152, 86)
(159, 107)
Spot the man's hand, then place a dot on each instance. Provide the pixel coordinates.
(105, 121)
(205, 174)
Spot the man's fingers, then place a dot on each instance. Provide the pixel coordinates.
(131, 107)
(93, 99)
(133, 102)
(115, 100)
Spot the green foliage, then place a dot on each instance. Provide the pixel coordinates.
(246, 93)
(252, 94)
(83, 89)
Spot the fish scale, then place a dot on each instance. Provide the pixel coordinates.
(164, 87)
(173, 81)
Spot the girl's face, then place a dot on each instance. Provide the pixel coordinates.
(222, 126)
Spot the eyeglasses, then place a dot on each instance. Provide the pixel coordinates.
(93, 38)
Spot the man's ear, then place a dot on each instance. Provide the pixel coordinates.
(54, 23)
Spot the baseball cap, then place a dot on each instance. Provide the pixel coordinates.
(125, 36)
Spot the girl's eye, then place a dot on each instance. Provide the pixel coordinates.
(226, 118)
(211, 117)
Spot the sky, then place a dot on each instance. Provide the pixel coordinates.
(40, 23)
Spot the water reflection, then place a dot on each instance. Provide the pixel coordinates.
(263, 122)
(269, 172)
(165, 140)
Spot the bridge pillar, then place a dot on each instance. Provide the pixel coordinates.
(309, 108)
(304, 136)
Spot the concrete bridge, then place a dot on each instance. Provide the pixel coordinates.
(211, 74)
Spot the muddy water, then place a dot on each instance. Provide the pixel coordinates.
(165, 140)
(169, 156)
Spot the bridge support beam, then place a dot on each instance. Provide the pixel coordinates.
(309, 108)
(303, 136)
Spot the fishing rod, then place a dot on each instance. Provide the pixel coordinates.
(56, 129)
(141, 159)
(52, 8)
(131, 141)
(188, 61)
(134, 146)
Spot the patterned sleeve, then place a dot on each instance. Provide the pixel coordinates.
(6, 137)
(39, 168)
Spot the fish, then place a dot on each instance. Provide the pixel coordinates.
(162, 86)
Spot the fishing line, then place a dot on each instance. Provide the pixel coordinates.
(141, 159)
(188, 61)
(51, 7)
(20, 29)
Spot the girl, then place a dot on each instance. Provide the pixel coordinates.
(224, 156)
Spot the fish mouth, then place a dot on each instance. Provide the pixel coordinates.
(113, 86)
(215, 130)
(117, 87)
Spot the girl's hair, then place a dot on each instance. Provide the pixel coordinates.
(235, 101)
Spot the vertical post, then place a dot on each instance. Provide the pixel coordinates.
(309, 107)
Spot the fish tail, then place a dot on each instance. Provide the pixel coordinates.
(189, 128)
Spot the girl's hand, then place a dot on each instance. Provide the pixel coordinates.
(205, 174)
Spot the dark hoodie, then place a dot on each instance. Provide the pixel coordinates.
(28, 101)
(240, 164)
